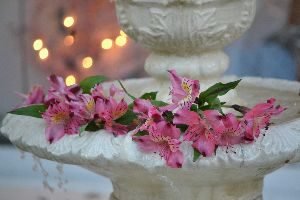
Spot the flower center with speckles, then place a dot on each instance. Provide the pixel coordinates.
(90, 106)
(60, 117)
(186, 87)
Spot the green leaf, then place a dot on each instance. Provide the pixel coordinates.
(90, 82)
(197, 155)
(141, 133)
(93, 127)
(213, 104)
(149, 96)
(82, 129)
(127, 118)
(159, 103)
(182, 127)
(194, 108)
(168, 116)
(216, 90)
(33, 110)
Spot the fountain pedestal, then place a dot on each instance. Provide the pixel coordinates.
(131, 190)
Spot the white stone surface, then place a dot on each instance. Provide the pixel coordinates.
(19, 181)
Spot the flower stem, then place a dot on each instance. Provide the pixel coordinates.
(227, 106)
(128, 94)
(241, 109)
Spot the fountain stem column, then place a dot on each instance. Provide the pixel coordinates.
(136, 190)
(208, 65)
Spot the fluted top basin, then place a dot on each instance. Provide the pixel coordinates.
(112, 156)
(185, 27)
(185, 35)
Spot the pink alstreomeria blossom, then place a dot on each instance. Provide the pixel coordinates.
(84, 108)
(60, 121)
(109, 110)
(163, 139)
(227, 128)
(98, 92)
(60, 92)
(147, 113)
(184, 91)
(35, 96)
(199, 131)
(259, 117)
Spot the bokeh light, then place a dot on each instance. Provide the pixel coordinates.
(70, 80)
(69, 21)
(87, 62)
(122, 33)
(69, 40)
(44, 53)
(38, 44)
(121, 41)
(106, 44)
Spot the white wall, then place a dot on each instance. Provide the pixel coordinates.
(11, 66)
(16, 74)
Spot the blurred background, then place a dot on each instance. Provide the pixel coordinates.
(76, 38)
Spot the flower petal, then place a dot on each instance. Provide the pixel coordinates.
(186, 117)
(118, 110)
(146, 144)
(168, 130)
(206, 147)
(142, 107)
(175, 159)
(194, 132)
(113, 90)
(116, 129)
(97, 92)
(54, 132)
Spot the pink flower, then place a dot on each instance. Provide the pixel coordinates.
(227, 128)
(147, 113)
(259, 117)
(60, 121)
(184, 91)
(199, 131)
(84, 108)
(114, 91)
(109, 110)
(163, 139)
(60, 92)
(98, 92)
(35, 96)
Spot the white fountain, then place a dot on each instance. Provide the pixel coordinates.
(188, 36)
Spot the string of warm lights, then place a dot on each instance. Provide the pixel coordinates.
(87, 62)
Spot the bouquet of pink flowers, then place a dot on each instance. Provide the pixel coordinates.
(193, 117)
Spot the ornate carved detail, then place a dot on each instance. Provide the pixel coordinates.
(178, 29)
(182, 30)
(195, 31)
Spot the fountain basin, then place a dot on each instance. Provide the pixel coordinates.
(234, 174)
(186, 35)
